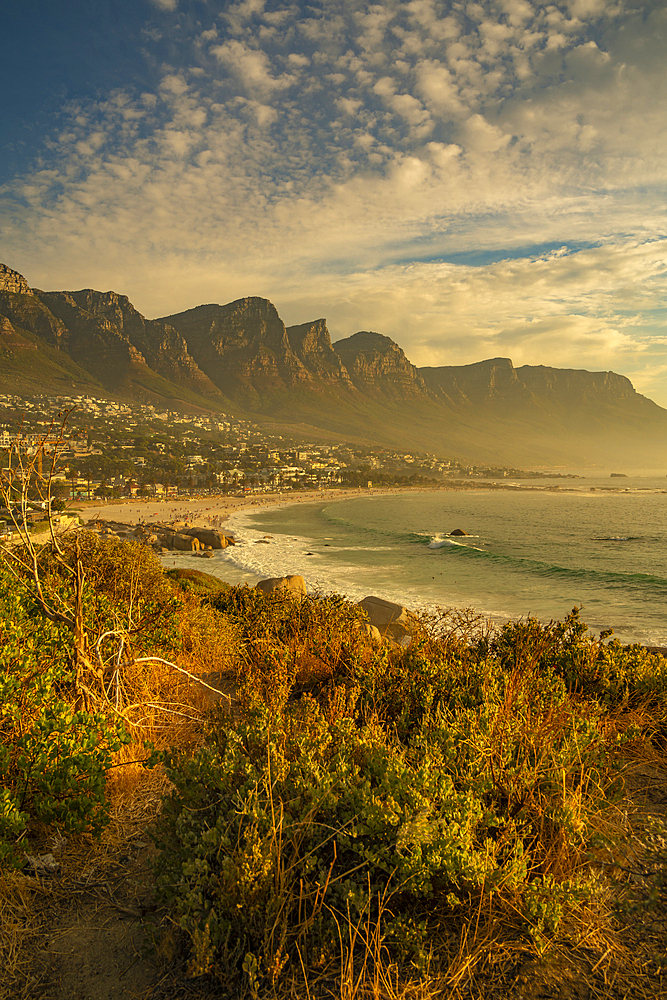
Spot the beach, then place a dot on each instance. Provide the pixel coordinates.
(534, 549)
(209, 511)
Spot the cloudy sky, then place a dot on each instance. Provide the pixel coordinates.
(473, 179)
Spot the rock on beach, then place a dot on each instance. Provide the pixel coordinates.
(295, 585)
(392, 620)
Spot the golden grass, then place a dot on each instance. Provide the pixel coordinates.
(18, 923)
(485, 953)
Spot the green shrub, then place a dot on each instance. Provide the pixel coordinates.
(277, 616)
(618, 676)
(277, 838)
(283, 642)
(125, 589)
(195, 581)
(53, 759)
(460, 775)
(288, 827)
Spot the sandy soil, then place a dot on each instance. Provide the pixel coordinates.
(206, 511)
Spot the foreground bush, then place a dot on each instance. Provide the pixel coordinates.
(452, 778)
(61, 726)
(276, 840)
(53, 758)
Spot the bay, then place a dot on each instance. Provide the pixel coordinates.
(530, 550)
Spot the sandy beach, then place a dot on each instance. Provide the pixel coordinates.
(214, 511)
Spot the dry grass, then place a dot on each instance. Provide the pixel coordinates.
(601, 953)
(18, 923)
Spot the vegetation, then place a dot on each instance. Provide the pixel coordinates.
(343, 817)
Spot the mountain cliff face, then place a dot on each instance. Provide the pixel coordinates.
(10, 338)
(240, 358)
(26, 311)
(568, 385)
(243, 348)
(484, 383)
(377, 365)
(312, 345)
(161, 347)
(93, 341)
(12, 281)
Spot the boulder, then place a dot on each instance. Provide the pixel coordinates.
(459, 532)
(294, 585)
(180, 542)
(372, 631)
(209, 536)
(392, 620)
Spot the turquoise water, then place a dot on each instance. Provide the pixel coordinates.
(529, 552)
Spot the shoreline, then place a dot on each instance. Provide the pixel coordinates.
(200, 511)
(205, 509)
(239, 567)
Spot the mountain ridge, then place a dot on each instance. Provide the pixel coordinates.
(241, 358)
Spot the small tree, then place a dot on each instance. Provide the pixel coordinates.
(24, 474)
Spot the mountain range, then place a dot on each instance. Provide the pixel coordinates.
(241, 359)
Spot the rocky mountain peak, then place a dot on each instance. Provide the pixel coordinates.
(243, 347)
(576, 385)
(12, 281)
(373, 359)
(311, 343)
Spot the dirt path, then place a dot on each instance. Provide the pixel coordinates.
(95, 941)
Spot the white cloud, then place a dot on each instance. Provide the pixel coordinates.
(307, 154)
(296, 59)
(173, 83)
(251, 66)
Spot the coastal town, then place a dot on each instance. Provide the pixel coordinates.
(106, 449)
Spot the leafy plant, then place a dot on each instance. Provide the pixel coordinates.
(53, 758)
(465, 773)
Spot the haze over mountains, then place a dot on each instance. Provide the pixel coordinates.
(240, 358)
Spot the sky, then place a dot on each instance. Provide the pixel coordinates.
(474, 179)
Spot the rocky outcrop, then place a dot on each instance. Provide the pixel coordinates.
(210, 537)
(377, 365)
(392, 620)
(12, 281)
(370, 631)
(293, 586)
(312, 345)
(159, 344)
(179, 542)
(243, 348)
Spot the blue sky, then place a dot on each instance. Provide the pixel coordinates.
(473, 179)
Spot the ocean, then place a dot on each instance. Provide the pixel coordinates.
(531, 549)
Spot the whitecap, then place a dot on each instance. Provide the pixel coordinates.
(439, 543)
